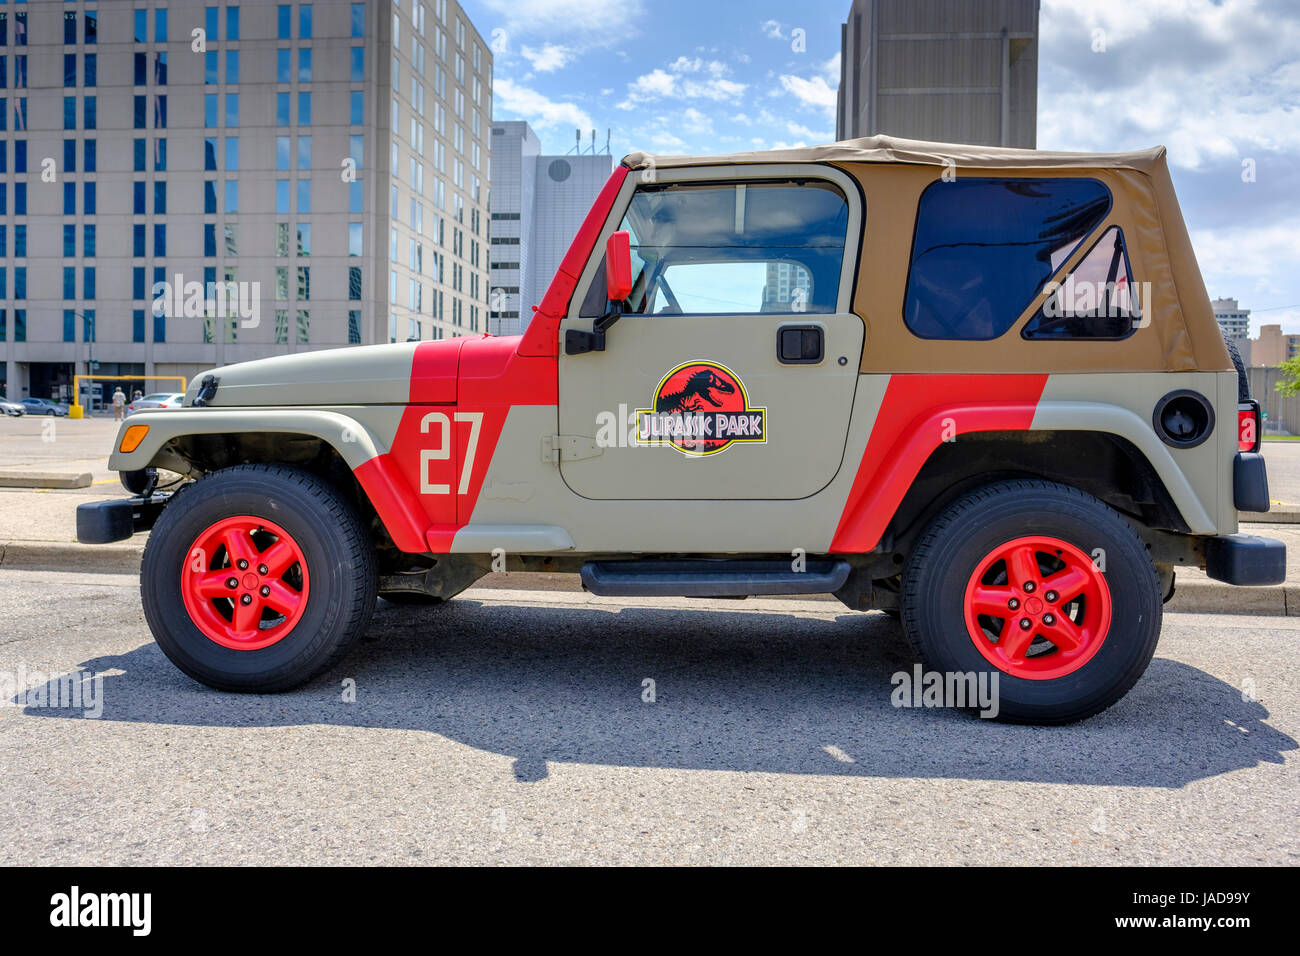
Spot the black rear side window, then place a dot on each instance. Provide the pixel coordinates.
(984, 248)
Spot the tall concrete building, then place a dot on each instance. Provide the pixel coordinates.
(331, 159)
(1232, 318)
(538, 203)
(957, 71)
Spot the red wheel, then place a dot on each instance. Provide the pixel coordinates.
(245, 583)
(1038, 608)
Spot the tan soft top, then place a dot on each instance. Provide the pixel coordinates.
(1179, 332)
(891, 149)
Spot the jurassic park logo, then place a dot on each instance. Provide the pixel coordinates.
(700, 408)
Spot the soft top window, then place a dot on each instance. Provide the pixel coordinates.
(983, 249)
(1097, 300)
(769, 246)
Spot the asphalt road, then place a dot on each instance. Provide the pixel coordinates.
(510, 727)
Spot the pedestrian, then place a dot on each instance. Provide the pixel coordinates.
(137, 395)
(119, 404)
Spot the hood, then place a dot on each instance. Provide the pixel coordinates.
(368, 375)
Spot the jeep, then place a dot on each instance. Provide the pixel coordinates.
(979, 389)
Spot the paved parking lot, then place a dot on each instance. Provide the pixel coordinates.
(511, 727)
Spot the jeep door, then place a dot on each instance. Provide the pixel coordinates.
(732, 371)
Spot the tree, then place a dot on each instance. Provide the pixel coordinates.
(1290, 383)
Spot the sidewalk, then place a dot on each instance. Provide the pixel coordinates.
(38, 533)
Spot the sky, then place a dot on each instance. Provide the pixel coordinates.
(1217, 83)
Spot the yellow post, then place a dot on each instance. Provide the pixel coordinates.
(75, 410)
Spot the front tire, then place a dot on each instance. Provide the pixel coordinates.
(257, 578)
(1043, 584)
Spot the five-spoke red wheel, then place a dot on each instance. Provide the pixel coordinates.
(1038, 608)
(245, 583)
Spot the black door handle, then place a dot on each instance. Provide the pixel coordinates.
(800, 344)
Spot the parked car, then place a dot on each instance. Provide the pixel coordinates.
(995, 404)
(11, 408)
(157, 400)
(44, 406)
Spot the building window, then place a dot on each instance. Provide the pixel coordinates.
(232, 66)
(69, 240)
(358, 64)
(356, 196)
(304, 327)
(69, 112)
(88, 282)
(160, 198)
(304, 21)
(304, 283)
(159, 327)
(304, 196)
(91, 71)
(232, 109)
(232, 195)
(232, 23)
(69, 323)
(159, 33)
(281, 326)
(209, 240)
(69, 282)
(90, 112)
(160, 155)
(304, 65)
(358, 108)
(304, 152)
(304, 239)
(304, 109)
(137, 240)
(282, 17)
(87, 240)
(354, 283)
(70, 69)
(137, 325)
(159, 240)
(91, 152)
(282, 196)
(354, 327)
(281, 109)
(210, 197)
(92, 28)
(282, 283)
(210, 77)
(282, 74)
(282, 152)
(141, 112)
(359, 20)
(70, 26)
(209, 153)
(354, 238)
(232, 152)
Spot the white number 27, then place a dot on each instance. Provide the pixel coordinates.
(443, 450)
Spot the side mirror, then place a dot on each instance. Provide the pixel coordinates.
(618, 266)
(618, 286)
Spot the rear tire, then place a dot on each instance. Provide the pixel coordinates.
(1083, 647)
(302, 545)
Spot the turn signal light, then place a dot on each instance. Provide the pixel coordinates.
(131, 440)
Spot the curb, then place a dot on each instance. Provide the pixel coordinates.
(1284, 514)
(1198, 596)
(44, 479)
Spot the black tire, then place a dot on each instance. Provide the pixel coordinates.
(1243, 379)
(952, 548)
(337, 552)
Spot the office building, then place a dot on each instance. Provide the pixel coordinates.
(306, 176)
(538, 203)
(956, 71)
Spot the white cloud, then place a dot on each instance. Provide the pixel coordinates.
(549, 58)
(815, 92)
(771, 29)
(537, 109)
(685, 78)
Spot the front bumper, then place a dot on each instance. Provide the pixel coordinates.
(102, 522)
(1245, 559)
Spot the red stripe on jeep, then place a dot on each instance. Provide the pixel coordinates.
(493, 378)
(433, 372)
(916, 414)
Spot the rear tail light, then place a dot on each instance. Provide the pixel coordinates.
(1248, 426)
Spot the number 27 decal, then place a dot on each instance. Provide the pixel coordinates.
(442, 452)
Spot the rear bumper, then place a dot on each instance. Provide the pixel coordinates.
(102, 522)
(1245, 559)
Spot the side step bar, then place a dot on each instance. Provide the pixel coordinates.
(711, 579)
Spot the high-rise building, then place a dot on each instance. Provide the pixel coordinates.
(330, 159)
(1233, 319)
(538, 203)
(956, 71)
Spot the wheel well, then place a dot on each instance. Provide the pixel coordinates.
(209, 453)
(1107, 466)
